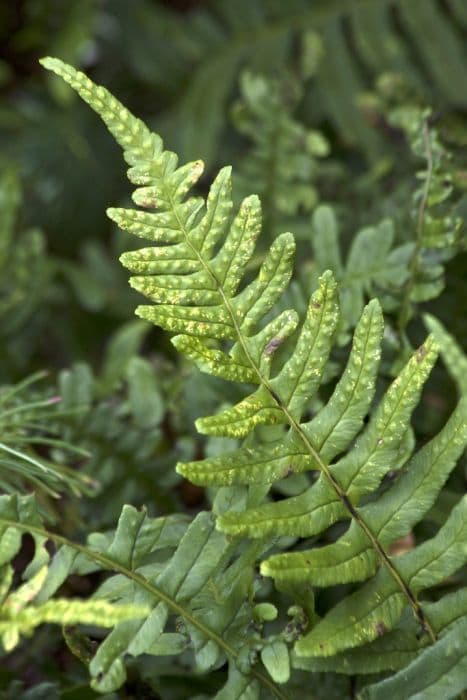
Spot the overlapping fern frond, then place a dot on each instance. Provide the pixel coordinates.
(194, 276)
(174, 586)
(374, 265)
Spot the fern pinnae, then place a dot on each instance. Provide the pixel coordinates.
(360, 470)
(378, 605)
(200, 300)
(331, 430)
(392, 516)
(135, 537)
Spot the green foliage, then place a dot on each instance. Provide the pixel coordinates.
(20, 617)
(356, 41)
(25, 270)
(269, 87)
(360, 455)
(283, 159)
(32, 451)
(438, 672)
(374, 266)
(202, 579)
(437, 231)
(420, 39)
(453, 356)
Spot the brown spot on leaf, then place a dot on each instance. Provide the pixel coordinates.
(380, 628)
(420, 354)
(272, 346)
(402, 545)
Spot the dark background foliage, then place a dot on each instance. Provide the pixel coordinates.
(126, 399)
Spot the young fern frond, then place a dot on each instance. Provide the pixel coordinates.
(193, 275)
(438, 231)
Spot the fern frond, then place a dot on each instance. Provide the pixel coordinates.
(198, 577)
(223, 319)
(374, 266)
(378, 449)
(438, 229)
(395, 649)
(392, 516)
(377, 606)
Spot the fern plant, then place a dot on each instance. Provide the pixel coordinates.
(202, 579)
(194, 276)
(282, 162)
(408, 274)
(438, 230)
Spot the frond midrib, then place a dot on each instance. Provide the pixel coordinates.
(141, 581)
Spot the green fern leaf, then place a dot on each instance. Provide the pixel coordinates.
(378, 605)
(331, 430)
(223, 321)
(397, 648)
(282, 160)
(373, 263)
(454, 359)
(439, 672)
(204, 581)
(352, 557)
(377, 450)
(239, 687)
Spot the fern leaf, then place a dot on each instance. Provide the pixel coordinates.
(352, 557)
(297, 381)
(212, 601)
(372, 264)
(454, 358)
(301, 375)
(378, 605)
(281, 161)
(239, 687)
(18, 509)
(19, 617)
(330, 431)
(377, 450)
(395, 649)
(439, 672)
(219, 321)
